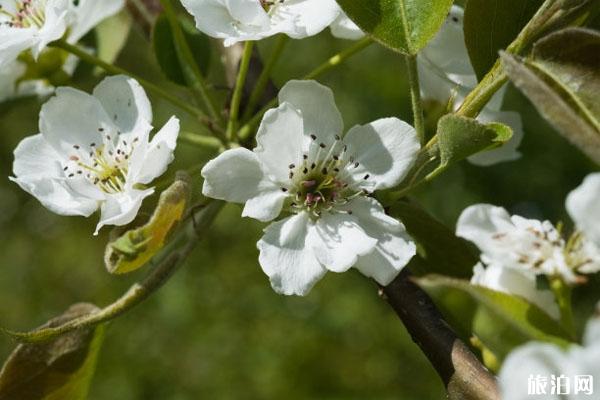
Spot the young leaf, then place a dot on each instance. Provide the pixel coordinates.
(56, 370)
(499, 320)
(553, 94)
(491, 25)
(403, 25)
(111, 36)
(460, 137)
(166, 55)
(442, 250)
(134, 248)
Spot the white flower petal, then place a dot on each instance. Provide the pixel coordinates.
(515, 282)
(89, 13)
(344, 28)
(235, 175)
(158, 155)
(13, 41)
(9, 74)
(286, 255)
(480, 222)
(71, 118)
(308, 17)
(120, 209)
(38, 171)
(317, 107)
(583, 206)
(531, 360)
(125, 102)
(394, 247)
(508, 152)
(266, 205)
(386, 149)
(55, 25)
(342, 241)
(280, 141)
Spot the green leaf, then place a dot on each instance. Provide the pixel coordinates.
(564, 89)
(56, 370)
(491, 25)
(134, 248)
(443, 252)
(166, 54)
(499, 320)
(460, 137)
(403, 25)
(111, 36)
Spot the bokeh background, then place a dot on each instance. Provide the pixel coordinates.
(217, 330)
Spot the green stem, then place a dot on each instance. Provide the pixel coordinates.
(264, 77)
(113, 69)
(562, 293)
(234, 109)
(331, 63)
(191, 71)
(138, 292)
(209, 142)
(415, 96)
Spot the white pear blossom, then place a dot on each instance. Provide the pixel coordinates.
(537, 360)
(81, 17)
(344, 28)
(239, 20)
(94, 152)
(445, 71)
(516, 242)
(518, 282)
(305, 169)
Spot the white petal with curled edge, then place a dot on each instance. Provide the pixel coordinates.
(394, 248)
(342, 241)
(529, 361)
(159, 153)
(515, 282)
(89, 13)
(286, 255)
(70, 118)
(344, 28)
(235, 175)
(508, 151)
(479, 223)
(280, 141)
(56, 16)
(38, 171)
(385, 149)
(13, 41)
(316, 104)
(583, 205)
(125, 102)
(248, 12)
(121, 208)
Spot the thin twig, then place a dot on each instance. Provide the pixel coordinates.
(462, 373)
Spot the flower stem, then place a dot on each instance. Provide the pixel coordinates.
(265, 74)
(136, 293)
(195, 139)
(415, 96)
(113, 69)
(562, 294)
(331, 63)
(190, 68)
(239, 90)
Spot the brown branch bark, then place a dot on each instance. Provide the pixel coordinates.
(463, 374)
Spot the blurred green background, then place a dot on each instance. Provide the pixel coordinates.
(217, 330)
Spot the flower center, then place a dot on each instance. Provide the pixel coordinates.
(322, 180)
(268, 4)
(105, 164)
(25, 14)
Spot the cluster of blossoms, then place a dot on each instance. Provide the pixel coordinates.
(26, 29)
(239, 20)
(516, 250)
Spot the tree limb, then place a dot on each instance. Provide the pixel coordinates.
(463, 374)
